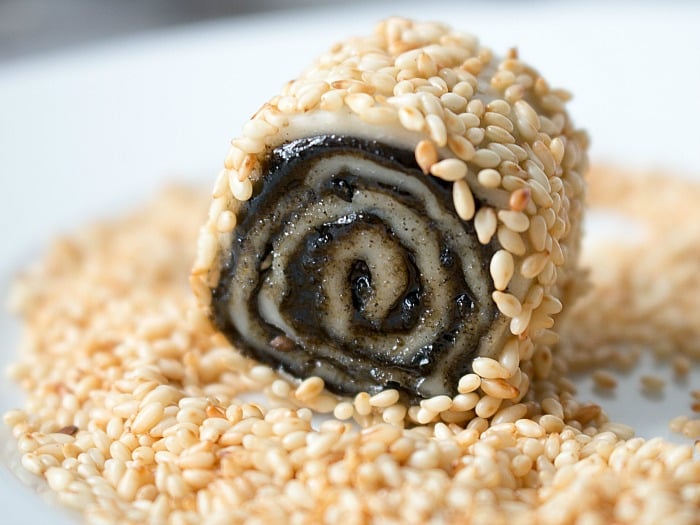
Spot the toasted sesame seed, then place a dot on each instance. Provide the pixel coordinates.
(461, 147)
(468, 383)
(485, 224)
(411, 118)
(499, 388)
(533, 264)
(436, 404)
(489, 178)
(147, 417)
(385, 398)
(508, 304)
(511, 241)
(487, 406)
(502, 268)
(378, 115)
(515, 220)
(362, 404)
(359, 102)
(426, 155)
(486, 158)
(545, 157)
(454, 102)
(512, 183)
(241, 190)
(436, 129)
(500, 136)
(449, 169)
(519, 199)
(425, 416)
(309, 388)
(476, 136)
(463, 200)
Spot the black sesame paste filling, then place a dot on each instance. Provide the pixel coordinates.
(350, 264)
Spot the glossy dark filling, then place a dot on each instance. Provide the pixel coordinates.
(324, 280)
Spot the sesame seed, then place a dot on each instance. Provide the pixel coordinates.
(455, 102)
(508, 304)
(426, 155)
(485, 224)
(425, 416)
(362, 404)
(604, 379)
(476, 136)
(499, 388)
(436, 129)
(411, 118)
(515, 220)
(147, 417)
(533, 264)
(359, 102)
(309, 388)
(461, 147)
(485, 158)
(241, 190)
(502, 268)
(519, 199)
(466, 401)
(468, 383)
(511, 241)
(385, 398)
(378, 115)
(449, 169)
(489, 178)
(487, 406)
(652, 384)
(436, 404)
(463, 200)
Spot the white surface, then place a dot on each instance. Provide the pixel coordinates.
(88, 133)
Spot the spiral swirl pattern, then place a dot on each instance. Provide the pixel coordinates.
(350, 264)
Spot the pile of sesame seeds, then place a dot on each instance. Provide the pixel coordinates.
(648, 292)
(137, 412)
(491, 126)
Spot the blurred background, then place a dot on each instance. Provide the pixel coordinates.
(30, 26)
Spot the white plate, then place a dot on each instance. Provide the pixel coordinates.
(91, 132)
